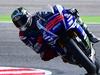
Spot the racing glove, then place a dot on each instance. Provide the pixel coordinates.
(74, 12)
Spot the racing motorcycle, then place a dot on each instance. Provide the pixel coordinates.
(63, 31)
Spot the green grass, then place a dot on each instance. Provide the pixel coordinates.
(5, 18)
(91, 19)
(86, 19)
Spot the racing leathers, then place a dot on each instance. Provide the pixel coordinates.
(33, 39)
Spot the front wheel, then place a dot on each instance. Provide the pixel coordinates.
(82, 59)
(97, 63)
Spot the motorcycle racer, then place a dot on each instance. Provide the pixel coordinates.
(29, 33)
(32, 37)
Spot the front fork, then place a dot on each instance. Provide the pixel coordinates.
(87, 44)
(83, 36)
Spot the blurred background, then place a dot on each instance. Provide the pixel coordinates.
(85, 7)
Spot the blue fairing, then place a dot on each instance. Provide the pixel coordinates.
(69, 21)
(80, 31)
(56, 23)
(60, 19)
(68, 18)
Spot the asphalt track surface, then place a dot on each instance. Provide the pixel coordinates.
(13, 53)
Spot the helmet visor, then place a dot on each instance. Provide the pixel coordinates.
(22, 21)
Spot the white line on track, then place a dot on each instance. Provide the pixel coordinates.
(22, 71)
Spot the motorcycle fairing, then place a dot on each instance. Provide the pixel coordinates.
(54, 23)
(47, 35)
(69, 20)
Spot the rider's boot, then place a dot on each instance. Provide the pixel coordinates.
(92, 37)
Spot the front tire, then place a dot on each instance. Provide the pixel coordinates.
(97, 63)
(89, 66)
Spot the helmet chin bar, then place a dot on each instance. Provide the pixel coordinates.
(27, 24)
(23, 28)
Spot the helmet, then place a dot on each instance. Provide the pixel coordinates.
(21, 18)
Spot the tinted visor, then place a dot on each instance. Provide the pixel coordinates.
(22, 21)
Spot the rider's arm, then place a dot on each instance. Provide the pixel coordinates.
(32, 42)
(43, 14)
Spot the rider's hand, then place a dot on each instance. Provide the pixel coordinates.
(74, 12)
